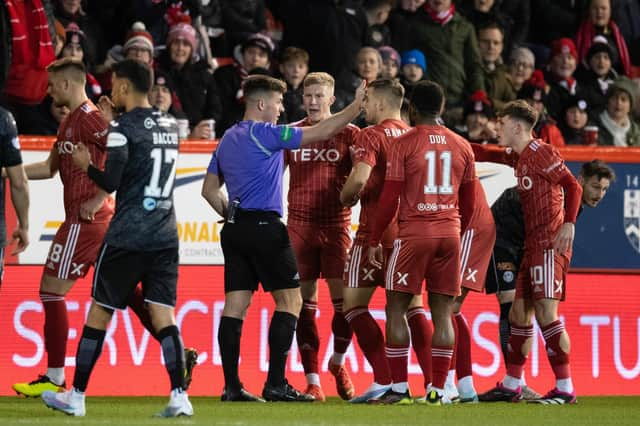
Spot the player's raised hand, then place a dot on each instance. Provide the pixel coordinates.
(81, 157)
(361, 92)
(20, 235)
(376, 256)
(106, 108)
(564, 239)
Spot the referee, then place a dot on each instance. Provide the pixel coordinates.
(255, 242)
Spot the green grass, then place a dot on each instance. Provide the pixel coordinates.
(138, 411)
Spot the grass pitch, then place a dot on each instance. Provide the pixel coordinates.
(138, 411)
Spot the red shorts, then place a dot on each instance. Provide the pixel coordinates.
(74, 249)
(320, 251)
(436, 259)
(542, 275)
(476, 247)
(359, 273)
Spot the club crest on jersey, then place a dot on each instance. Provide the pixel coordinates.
(632, 217)
(149, 123)
(149, 204)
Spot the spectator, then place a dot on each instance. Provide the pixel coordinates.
(483, 12)
(575, 118)
(626, 14)
(390, 62)
(521, 66)
(599, 23)
(478, 118)
(616, 126)
(368, 67)
(294, 66)
(596, 76)
(31, 52)
(255, 52)
(534, 92)
(414, 68)
(240, 19)
(47, 118)
(76, 47)
(377, 12)
(195, 86)
(68, 11)
(163, 95)
(449, 41)
(496, 80)
(562, 65)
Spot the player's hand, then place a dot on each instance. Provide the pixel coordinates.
(376, 256)
(81, 157)
(564, 239)
(361, 92)
(347, 203)
(106, 108)
(201, 131)
(20, 235)
(89, 208)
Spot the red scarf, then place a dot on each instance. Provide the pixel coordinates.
(441, 18)
(584, 40)
(31, 45)
(569, 83)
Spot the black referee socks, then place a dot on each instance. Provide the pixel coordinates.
(229, 333)
(89, 351)
(504, 328)
(173, 352)
(281, 330)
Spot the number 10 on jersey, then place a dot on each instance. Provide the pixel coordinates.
(444, 158)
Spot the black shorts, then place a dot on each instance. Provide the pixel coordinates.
(256, 250)
(118, 272)
(503, 271)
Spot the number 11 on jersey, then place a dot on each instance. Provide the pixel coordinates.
(432, 187)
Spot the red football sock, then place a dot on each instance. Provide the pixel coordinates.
(558, 358)
(515, 359)
(441, 361)
(463, 347)
(56, 328)
(398, 356)
(341, 329)
(307, 337)
(421, 334)
(454, 357)
(371, 342)
(137, 305)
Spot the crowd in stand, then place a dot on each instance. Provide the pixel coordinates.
(577, 62)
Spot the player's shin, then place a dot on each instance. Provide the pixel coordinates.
(56, 331)
(89, 350)
(557, 344)
(463, 356)
(309, 341)
(342, 333)
(173, 352)
(421, 334)
(371, 341)
(519, 342)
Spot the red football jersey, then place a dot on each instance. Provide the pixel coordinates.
(84, 124)
(433, 162)
(539, 169)
(482, 215)
(371, 148)
(317, 173)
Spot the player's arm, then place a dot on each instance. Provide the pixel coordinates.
(20, 198)
(332, 125)
(572, 196)
(212, 192)
(355, 182)
(44, 169)
(387, 206)
(117, 156)
(466, 202)
(493, 154)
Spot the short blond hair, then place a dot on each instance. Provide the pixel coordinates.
(321, 78)
(72, 67)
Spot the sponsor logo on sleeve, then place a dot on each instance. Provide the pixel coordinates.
(115, 139)
(16, 142)
(286, 133)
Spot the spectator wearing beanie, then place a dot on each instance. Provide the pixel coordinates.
(563, 62)
(599, 22)
(496, 80)
(138, 45)
(76, 47)
(414, 69)
(390, 62)
(596, 75)
(616, 125)
(163, 95)
(534, 91)
(575, 117)
(194, 84)
(478, 119)
(449, 41)
(68, 12)
(255, 52)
